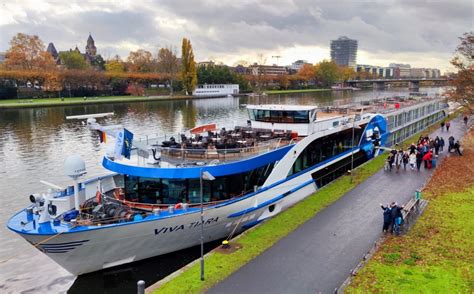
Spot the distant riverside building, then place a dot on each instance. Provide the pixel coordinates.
(259, 69)
(240, 69)
(206, 64)
(91, 50)
(90, 54)
(425, 73)
(297, 65)
(52, 50)
(377, 71)
(344, 51)
(401, 70)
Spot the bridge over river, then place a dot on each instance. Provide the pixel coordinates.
(412, 83)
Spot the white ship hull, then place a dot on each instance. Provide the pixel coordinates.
(111, 245)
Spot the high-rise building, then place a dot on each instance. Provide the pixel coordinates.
(344, 51)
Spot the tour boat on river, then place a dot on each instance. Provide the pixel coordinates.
(149, 203)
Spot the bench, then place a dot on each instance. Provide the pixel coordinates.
(409, 208)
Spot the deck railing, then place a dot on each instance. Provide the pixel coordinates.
(221, 154)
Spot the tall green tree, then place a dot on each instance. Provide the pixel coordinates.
(73, 60)
(188, 67)
(327, 73)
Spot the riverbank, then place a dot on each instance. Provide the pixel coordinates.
(437, 255)
(47, 102)
(272, 92)
(254, 242)
(219, 265)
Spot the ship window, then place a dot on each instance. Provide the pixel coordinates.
(281, 116)
(251, 114)
(324, 148)
(172, 191)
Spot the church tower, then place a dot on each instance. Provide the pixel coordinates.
(52, 50)
(91, 50)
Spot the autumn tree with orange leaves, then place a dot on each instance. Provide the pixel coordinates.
(27, 52)
(307, 73)
(140, 61)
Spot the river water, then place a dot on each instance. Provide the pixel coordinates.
(34, 143)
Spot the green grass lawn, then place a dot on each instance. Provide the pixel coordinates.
(295, 91)
(41, 102)
(218, 266)
(437, 256)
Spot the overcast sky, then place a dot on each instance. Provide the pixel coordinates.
(422, 33)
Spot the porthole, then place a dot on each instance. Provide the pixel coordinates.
(271, 208)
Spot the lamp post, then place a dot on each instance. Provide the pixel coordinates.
(203, 175)
(352, 151)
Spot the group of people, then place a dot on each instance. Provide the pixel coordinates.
(425, 150)
(392, 217)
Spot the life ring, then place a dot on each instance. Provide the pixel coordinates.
(119, 195)
(98, 197)
(178, 206)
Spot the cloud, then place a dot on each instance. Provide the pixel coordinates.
(231, 29)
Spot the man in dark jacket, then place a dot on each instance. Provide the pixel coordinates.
(457, 147)
(419, 160)
(395, 213)
(387, 217)
(451, 143)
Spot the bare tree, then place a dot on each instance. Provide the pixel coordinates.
(463, 61)
(168, 63)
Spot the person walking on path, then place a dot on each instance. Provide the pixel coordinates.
(441, 144)
(419, 160)
(427, 158)
(405, 159)
(451, 143)
(390, 160)
(396, 215)
(436, 146)
(448, 124)
(387, 217)
(399, 159)
(412, 161)
(457, 147)
(442, 126)
(465, 120)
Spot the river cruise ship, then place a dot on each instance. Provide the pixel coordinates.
(216, 90)
(150, 204)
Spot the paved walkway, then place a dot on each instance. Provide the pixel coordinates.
(320, 254)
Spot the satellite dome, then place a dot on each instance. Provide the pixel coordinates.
(74, 166)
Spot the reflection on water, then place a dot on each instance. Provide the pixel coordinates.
(35, 142)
